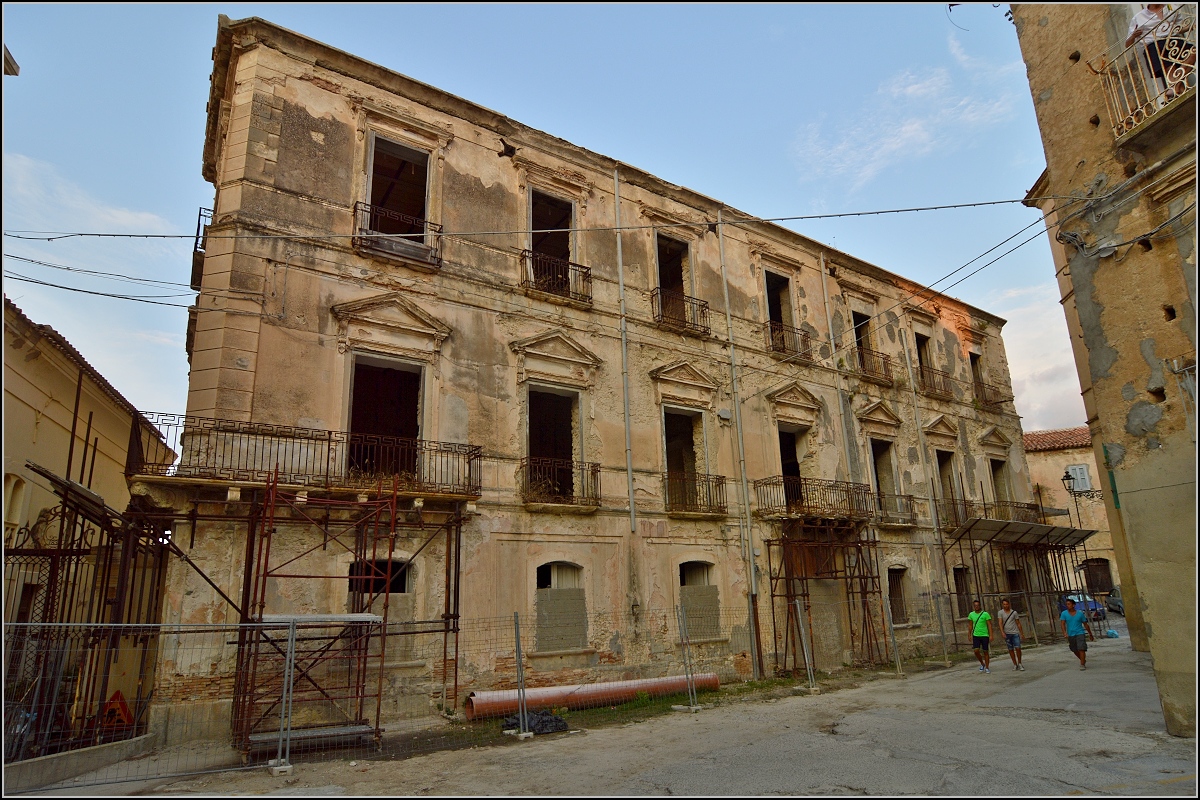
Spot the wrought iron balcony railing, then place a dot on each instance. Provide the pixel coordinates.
(551, 275)
(791, 496)
(988, 396)
(897, 509)
(934, 382)
(694, 492)
(952, 513)
(200, 447)
(1149, 76)
(389, 232)
(871, 364)
(788, 341)
(552, 480)
(677, 310)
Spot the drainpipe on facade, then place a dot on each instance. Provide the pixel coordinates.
(744, 522)
(625, 371)
(847, 433)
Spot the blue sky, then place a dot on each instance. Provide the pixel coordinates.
(774, 109)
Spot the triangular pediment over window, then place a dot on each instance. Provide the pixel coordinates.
(390, 323)
(556, 357)
(878, 416)
(794, 404)
(941, 429)
(994, 440)
(683, 383)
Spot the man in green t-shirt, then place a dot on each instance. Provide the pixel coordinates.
(981, 636)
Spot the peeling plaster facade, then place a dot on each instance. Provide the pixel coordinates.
(1131, 311)
(285, 308)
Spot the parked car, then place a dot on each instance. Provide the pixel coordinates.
(1085, 602)
(1115, 602)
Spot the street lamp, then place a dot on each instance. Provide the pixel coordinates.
(1068, 482)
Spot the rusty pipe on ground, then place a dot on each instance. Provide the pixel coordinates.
(481, 705)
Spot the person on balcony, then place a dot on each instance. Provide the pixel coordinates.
(1169, 57)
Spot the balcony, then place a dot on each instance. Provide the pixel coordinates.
(694, 493)
(989, 396)
(680, 312)
(953, 513)
(554, 276)
(230, 450)
(389, 233)
(788, 341)
(935, 383)
(871, 365)
(203, 220)
(551, 481)
(895, 509)
(792, 496)
(1146, 81)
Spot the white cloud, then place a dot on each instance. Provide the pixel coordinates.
(1042, 367)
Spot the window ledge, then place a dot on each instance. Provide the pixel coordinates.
(419, 257)
(901, 626)
(697, 514)
(710, 640)
(876, 379)
(683, 329)
(405, 664)
(558, 299)
(580, 651)
(893, 524)
(560, 508)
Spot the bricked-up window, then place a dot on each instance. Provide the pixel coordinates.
(562, 622)
(700, 600)
(399, 184)
(896, 595)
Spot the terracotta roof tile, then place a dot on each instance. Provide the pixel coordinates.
(1060, 439)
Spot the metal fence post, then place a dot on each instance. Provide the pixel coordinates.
(812, 680)
(685, 642)
(281, 765)
(522, 710)
(937, 609)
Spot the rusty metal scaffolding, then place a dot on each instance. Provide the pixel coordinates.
(826, 549)
(337, 661)
(81, 570)
(1031, 563)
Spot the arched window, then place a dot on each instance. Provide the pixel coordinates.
(562, 622)
(699, 597)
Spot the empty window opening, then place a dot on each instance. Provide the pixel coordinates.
(551, 444)
(1082, 477)
(700, 600)
(962, 590)
(923, 359)
(681, 438)
(1169, 313)
(551, 220)
(373, 577)
(896, 595)
(672, 262)
(399, 178)
(562, 622)
(779, 299)
(946, 482)
(976, 367)
(881, 457)
(793, 444)
(385, 402)
(1097, 575)
(1001, 487)
(862, 330)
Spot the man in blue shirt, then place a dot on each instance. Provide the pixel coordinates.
(1074, 625)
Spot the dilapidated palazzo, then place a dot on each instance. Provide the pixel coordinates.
(446, 367)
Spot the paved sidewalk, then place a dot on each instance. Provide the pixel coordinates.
(1049, 730)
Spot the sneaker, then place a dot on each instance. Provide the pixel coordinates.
(1083, 666)
(981, 667)
(1015, 668)
(1021, 667)
(985, 669)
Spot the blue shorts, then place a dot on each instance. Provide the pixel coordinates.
(1013, 640)
(980, 642)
